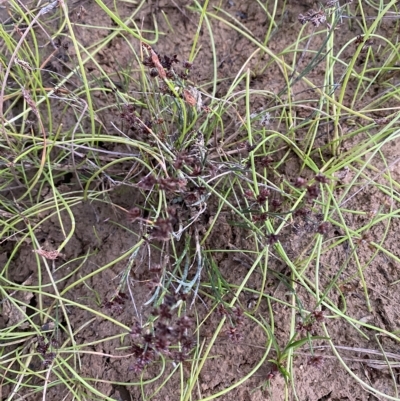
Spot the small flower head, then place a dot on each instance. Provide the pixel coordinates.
(316, 361)
(321, 179)
(262, 196)
(300, 182)
(313, 191)
(317, 18)
(272, 239)
(162, 229)
(323, 228)
(148, 182)
(134, 214)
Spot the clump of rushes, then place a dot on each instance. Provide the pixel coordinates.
(141, 132)
(168, 336)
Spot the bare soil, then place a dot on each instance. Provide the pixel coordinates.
(100, 237)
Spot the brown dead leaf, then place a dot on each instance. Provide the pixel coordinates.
(156, 61)
(13, 314)
(51, 255)
(189, 98)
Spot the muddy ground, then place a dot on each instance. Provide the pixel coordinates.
(100, 237)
